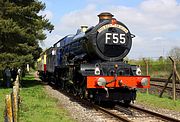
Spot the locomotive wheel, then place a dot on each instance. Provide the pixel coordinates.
(62, 85)
(82, 93)
(68, 88)
(107, 104)
(56, 82)
(75, 92)
(49, 80)
(126, 103)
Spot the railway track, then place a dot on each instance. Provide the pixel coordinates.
(135, 114)
(107, 114)
(116, 114)
(112, 114)
(160, 82)
(158, 115)
(161, 86)
(163, 80)
(121, 113)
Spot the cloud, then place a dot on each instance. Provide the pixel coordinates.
(154, 22)
(50, 40)
(70, 22)
(47, 13)
(160, 7)
(152, 46)
(151, 15)
(158, 38)
(164, 14)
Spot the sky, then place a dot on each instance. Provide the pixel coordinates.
(155, 23)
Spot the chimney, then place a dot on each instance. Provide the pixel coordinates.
(105, 16)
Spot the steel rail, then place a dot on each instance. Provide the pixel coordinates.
(163, 117)
(121, 118)
(170, 88)
(86, 103)
(162, 80)
(124, 119)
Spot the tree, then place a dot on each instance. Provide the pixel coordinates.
(175, 53)
(21, 29)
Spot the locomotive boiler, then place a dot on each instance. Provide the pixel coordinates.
(109, 40)
(90, 63)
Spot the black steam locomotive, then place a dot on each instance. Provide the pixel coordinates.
(90, 63)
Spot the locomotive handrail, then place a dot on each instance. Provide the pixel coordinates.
(132, 35)
(115, 78)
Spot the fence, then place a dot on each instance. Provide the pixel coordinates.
(168, 69)
(157, 68)
(12, 103)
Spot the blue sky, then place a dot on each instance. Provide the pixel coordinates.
(156, 23)
(60, 8)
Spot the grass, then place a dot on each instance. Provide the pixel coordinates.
(160, 74)
(155, 101)
(37, 106)
(3, 93)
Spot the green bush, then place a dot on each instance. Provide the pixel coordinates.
(156, 68)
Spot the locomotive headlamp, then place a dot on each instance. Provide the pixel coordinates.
(116, 66)
(97, 70)
(144, 82)
(138, 70)
(101, 81)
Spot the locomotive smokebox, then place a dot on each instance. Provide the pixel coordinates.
(105, 16)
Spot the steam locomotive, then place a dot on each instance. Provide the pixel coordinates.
(90, 63)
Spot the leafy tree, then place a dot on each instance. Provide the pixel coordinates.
(175, 53)
(21, 29)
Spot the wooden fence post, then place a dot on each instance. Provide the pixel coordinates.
(17, 83)
(174, 74)
(173, 78)
(147, 67)
(11, 108)
(174, 85)
(15, 103)
(166, 85)
(8, 116)
(147, 71)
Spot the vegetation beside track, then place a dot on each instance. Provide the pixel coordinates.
(157, 68)
(37, 106)
(155, 101)
(3, 92)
